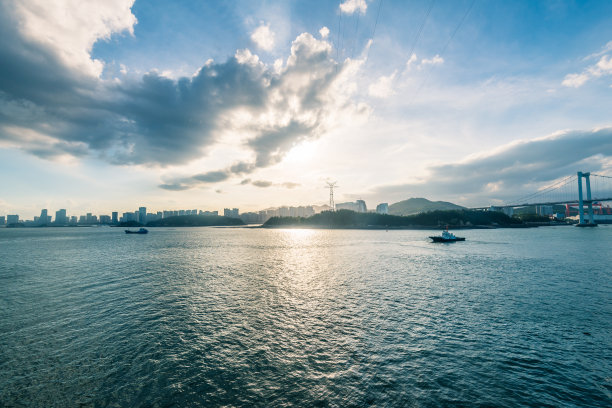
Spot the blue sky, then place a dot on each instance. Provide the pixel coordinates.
(190, 104)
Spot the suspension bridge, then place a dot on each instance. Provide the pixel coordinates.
(581, 195)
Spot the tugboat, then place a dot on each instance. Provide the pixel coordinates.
(446, 237)
(140, 231)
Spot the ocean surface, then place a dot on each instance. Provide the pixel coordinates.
(235, 317)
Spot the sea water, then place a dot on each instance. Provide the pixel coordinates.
(255, 317)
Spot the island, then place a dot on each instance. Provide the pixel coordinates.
(427, 220)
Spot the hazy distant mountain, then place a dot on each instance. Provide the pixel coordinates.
(419, 205)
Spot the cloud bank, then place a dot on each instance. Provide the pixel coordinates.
(55, 101)
(513, 170)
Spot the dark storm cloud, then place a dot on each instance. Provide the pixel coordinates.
(515, 169)
(155, 120)
(211, 176)
(273, 143)
(216, 176)
(262, 183)
(266, 184)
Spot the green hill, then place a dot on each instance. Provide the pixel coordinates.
(421, 205)
(431, 219)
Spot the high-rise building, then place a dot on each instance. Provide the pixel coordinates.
(105, 219)
(357, 206)
(44, 217)
(114, 217)
(361, 206)
(232, 213)
(128, 216)
(142, 215)
(60, 217)
(2, 220)
(12, 219)
(382, 208)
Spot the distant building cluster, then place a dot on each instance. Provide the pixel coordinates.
(556, 211)
(141, 215)
(62, 219)
(357, 206)
(360, 207)
(264, 215)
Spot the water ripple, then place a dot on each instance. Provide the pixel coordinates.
(242, 317)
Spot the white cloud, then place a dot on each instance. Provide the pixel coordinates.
(436, 60)
(352, 6)
(575, 80)
(604, 50)
(411, 60)
(263, 37)
(324, 32)
(260, 110)
(71, 28)
(512, 170)
(383, 87)
(601, 68)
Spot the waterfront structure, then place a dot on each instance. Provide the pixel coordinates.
(44, 217)
(361, 206)
(588, 200)
(544, 210)
(142, 215)
(232, 213)
(357, 206)
(128, 216)
(382, 208)
(60, 217)
(209, 213)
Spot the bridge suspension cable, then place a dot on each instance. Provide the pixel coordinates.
(557, 186)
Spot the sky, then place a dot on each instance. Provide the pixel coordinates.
(108, 106)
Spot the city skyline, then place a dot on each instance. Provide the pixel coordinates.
(62, 216)
(192, 105)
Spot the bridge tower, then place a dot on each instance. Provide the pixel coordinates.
(588, 201)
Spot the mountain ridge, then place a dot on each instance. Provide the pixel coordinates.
(416, 205)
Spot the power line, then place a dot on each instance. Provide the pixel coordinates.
(445, 47)
(555, 186)
(355, 36)
(416, 39)
(374, 31)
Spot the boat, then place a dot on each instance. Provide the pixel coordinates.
(140, 231)
(446, 237)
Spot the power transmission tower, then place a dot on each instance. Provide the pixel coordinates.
(331, 187)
